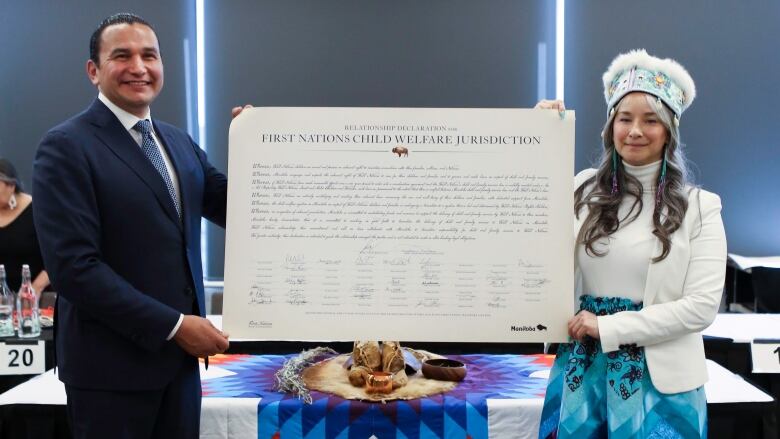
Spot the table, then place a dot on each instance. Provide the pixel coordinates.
(727, 341)
(239, 402)
(740, 296)
(743, 328)
(47, 335)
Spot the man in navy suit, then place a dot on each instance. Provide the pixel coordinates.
(119, 198)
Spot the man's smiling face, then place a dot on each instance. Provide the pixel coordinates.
(130, 73)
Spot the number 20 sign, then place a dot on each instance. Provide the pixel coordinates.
(22, 358)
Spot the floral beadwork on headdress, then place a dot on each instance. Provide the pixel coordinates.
(638, 71)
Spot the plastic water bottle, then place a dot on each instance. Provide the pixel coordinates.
(27, 307)
(6, 307)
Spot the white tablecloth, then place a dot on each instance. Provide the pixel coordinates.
(236, 418)
(743, 328)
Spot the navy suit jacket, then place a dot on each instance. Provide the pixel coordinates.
(122, 262)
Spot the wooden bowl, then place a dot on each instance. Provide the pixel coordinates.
(444, 369)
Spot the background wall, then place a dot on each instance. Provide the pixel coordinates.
(437, 53)
(44, 51)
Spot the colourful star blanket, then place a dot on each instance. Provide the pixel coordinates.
(460, 413)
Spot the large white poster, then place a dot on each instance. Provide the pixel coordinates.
(400, 224)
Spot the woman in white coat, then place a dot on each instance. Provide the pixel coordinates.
(650, 265)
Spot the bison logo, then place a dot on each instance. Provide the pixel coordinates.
(541, 327)
(401, 150)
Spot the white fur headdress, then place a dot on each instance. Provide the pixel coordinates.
(638, 71)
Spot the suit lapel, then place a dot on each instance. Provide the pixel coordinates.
(111, 132)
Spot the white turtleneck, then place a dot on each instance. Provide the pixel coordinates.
(622, 271)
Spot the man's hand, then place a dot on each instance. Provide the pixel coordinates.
(237, 110)
(584, 323)
(199, 338)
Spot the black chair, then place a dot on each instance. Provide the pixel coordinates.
(766, 288)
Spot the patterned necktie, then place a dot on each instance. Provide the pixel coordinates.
(152, 152)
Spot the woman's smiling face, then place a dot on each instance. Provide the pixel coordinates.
(637, 131)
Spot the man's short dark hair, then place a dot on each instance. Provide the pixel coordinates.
(120, 18)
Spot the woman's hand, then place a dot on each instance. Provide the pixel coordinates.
(545, 104)
(584, 323)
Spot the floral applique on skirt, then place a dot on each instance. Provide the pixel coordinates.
(591, 394)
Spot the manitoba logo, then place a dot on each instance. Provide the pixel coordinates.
(525, 328)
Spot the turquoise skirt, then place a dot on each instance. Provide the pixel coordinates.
(591, 394)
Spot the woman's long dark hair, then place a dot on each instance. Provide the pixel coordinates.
(8, 174)
(669, 212)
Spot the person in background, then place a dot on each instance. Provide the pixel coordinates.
(650, 263)
(18, 240)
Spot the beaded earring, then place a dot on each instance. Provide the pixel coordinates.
(661, 181)
(614, 172)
